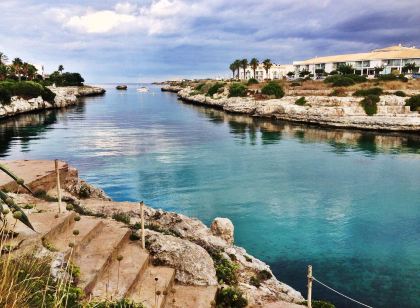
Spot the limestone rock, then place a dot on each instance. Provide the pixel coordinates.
(223, 227)
(193, 264)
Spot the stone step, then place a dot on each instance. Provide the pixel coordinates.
(44, 223)
(133, 265)
(94, 256)
(88, 227)
(144, 291)
(191, 297)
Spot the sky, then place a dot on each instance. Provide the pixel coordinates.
(154, 40)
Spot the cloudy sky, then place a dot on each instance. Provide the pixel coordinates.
(148, 40)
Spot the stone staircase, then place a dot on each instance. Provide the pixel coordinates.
(96, 249)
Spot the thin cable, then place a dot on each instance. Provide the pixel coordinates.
(348, 297)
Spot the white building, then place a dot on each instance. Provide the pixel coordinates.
(389, 58)
(276, 71)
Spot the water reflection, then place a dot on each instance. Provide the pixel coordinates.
(266, 131)
(28, 127)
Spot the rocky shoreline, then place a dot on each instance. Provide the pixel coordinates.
(173, 240)
(333, 111)
(65, 96)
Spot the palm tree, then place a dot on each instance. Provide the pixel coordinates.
(237, 64)
(17, 67)
(244, 65)
(409, 67)
(4, 71)
(267, 65)
(61, 68)
(232, 67)
(254, 64)
(25, 69)
(31, 72)
(3, 58)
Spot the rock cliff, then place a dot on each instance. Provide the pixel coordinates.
(65, 96)
(346, 112)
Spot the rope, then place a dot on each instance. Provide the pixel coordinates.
(348, 297)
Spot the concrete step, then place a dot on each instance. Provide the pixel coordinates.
(191, 297)
(94, 257)
(145, 290)
(44, 223)
(88, 227)
(133, 265)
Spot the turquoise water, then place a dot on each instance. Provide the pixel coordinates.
(347, 202)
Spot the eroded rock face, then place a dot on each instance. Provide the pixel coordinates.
(333, 111)
(223, 227)
(193, 264)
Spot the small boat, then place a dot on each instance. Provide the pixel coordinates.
(143, 90)
(121, 87)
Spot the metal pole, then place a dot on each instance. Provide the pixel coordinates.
(309, 299)
(57, 172)
(142, 225)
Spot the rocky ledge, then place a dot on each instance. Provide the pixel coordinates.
(345, 112)
(65, 96)
(172, 240)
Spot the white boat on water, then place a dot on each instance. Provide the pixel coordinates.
(143, 89)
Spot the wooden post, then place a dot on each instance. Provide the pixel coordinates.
(309, 299)
(143, 244)
(57, 172)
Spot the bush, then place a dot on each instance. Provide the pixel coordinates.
(295, 84)
(400, 93)
(122, 303)
(252, 81)
(48, 95)
(300, 101)
(338, 92)
(391, 77)
(343, 82)
(199, 87)
(334, 78)
(273, 88)
(369, 104)
(414, 103)
(226, 271)
(121, 217)
(264, 275)
(237, 89)
(366, 92)
(27, 89)
(214, 89)
(230, 298)
(254, 281)
(66, 79)
(5, 96)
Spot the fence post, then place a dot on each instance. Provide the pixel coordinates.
(309, 299)
(57, 172)
(142, 225)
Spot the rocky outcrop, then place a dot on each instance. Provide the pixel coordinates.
(170, 88)
(193, 264)
(223, 227)
(344, 112)
(65, 96)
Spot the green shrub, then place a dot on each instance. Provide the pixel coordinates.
(356, 78)
(369, 104)
(122, 303)
(338, 78)
(300, 101)
(366, 92)
(391, 77)
(295, 84)
(214, 89)
(343, 82)
(48, 95)
(226, 270)
(254, 281)
(237, 90)
(199, 87)
(413, 102)
(264, 275)
(274, 89)
(230, 298)
(66, 79)
(121, 217)
(400, 93)
(338, 92)
(27, 89)
(5, 96)
(252, 81)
